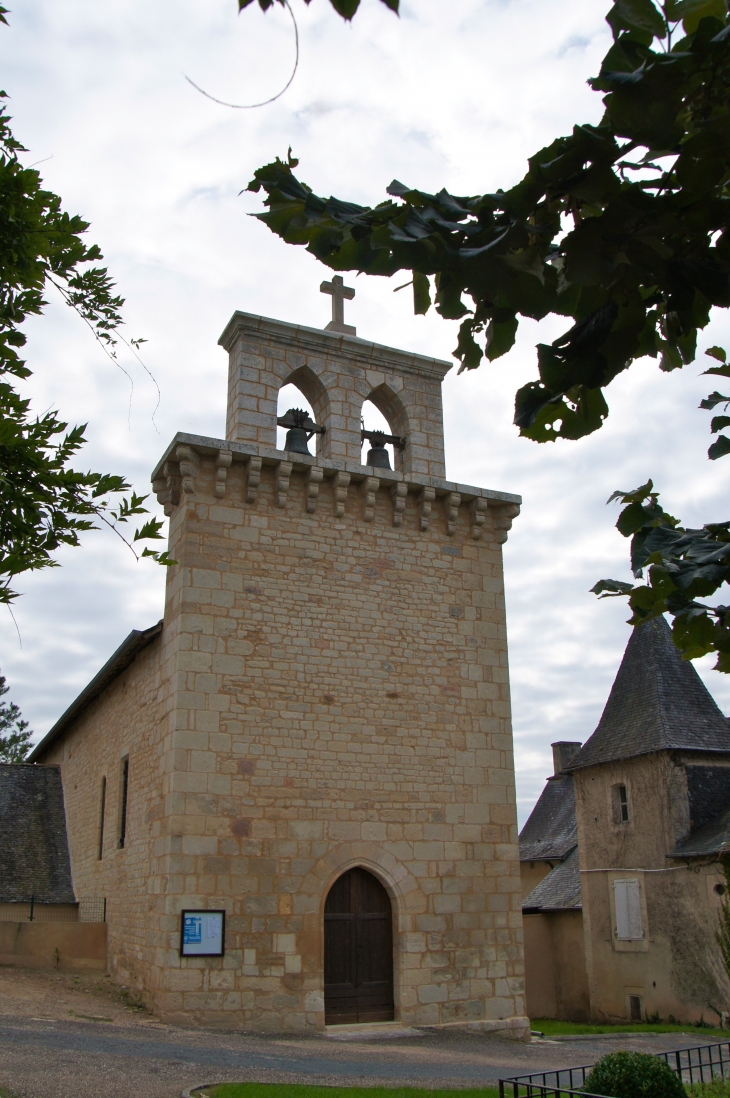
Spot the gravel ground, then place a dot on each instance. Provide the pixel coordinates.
(65, 1036)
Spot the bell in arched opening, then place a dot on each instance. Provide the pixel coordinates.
(301, 429)
(378, 456)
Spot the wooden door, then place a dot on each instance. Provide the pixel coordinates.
(358, 951)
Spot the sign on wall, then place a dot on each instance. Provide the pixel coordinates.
(202, 933)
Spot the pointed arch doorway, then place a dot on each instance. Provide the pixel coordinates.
(358, 950)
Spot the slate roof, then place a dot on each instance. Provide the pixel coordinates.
(127, 652)
(551, 831)
(34, 857)
(559, 891)
(713, 838)
(657, 703)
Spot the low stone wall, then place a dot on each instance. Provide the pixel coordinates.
(75, 947)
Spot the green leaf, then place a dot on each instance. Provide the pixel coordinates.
(631, 519)
(691, 12)
(609, 588)
(713, 400)
(719, 448)
(467, 349)
(717, 352)
(670, 357)
(643, 15)
(719, 423)
(500, 336)
(421, 293)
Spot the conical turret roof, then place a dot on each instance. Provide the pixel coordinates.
(658, 702)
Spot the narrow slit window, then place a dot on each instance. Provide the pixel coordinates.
(102, 810)
(123, 801)
(620, 804)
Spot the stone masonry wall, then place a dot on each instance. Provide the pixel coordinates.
(123, 722)
(340, 697)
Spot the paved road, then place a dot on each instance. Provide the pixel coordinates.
(60, 1058)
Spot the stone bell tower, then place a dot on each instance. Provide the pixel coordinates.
(336, 743)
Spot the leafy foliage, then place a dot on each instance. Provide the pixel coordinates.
(683, 566)
(621, 227)
(44, 503)
(15, 736)
(345, 8)
(634, 1075)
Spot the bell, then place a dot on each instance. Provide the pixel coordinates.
(378, 455)
(296, 441)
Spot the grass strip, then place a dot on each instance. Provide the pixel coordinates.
(301, 1090)
(551, 1028)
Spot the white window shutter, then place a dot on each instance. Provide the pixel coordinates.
(627, 899)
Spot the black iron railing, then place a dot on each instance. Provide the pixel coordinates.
(699, 1064)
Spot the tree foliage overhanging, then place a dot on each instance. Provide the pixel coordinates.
(622, 227)
(44, 502)
(15, 735)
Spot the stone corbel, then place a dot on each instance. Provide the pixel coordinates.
(451, 509)
(283, 472)
(314, 479)
(167, 487)
(222, 465)
(369, 490)
(253, 479)
(189, 464)
(503, 516)
(425, 503)
(398, 494)
(478, 516)
(340, 484)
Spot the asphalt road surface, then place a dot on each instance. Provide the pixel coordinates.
(101, 1048)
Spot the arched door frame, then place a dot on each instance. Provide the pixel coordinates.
(361, 1002)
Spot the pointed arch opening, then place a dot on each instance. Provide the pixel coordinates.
(384, 411)
(303, 389)
(358, 950)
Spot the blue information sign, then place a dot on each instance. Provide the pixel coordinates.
(202, 933)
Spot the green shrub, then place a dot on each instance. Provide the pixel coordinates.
(634, 1075)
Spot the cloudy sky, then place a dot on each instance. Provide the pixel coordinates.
(453, 94)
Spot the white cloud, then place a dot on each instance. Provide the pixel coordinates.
(454, 95)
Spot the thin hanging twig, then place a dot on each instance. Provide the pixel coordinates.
(251, 106)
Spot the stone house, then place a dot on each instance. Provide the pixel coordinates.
(632, 826)
(316, 738)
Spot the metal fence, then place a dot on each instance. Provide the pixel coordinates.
(699, 1064)
(88, 909)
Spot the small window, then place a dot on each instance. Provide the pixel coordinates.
(123, 796)
(102, 809)
(627, 899)
(620, 804)
(635, 1008)
(720, 889)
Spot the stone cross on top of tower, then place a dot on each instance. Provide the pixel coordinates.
(339, 291)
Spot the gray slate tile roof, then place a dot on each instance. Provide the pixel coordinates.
(559, 891)
(551, 831)
(713, 838)
(657, 703)
(34, 857)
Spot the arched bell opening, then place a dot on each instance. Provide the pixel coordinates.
(373, 420)
(384, 412)
(304, 392)
(358, 950)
